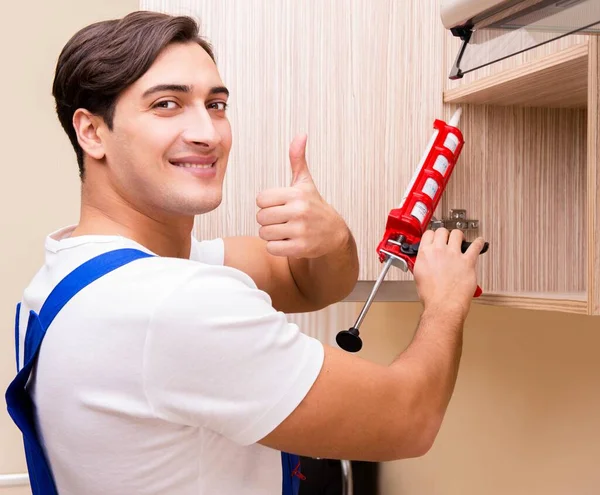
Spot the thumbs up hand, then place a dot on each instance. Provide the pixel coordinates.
(296, 221)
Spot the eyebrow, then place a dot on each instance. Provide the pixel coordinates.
(182, 88)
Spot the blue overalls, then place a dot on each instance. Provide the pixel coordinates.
(20, 405)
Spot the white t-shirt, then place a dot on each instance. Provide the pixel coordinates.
(161, 376)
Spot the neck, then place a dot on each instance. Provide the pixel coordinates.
(165, 235)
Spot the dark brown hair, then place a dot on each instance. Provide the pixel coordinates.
(101, 60)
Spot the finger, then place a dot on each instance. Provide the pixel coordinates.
(282, 248)
(455, 240)
(300, 172)
(427, 237)
(475, 249)
(278, 232)
(274, 215)
(276, 197)
(441, 237)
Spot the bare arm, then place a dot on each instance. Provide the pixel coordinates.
(329, 278)
(360, 410)
(306, 257)
(296, 285)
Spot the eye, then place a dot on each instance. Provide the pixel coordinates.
(166, 104)
(218, 105)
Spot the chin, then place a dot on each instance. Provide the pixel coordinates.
(206, 206)
(191, 202)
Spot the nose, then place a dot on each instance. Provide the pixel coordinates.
(200, 130)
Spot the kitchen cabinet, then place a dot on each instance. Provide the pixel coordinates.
(529, 174)
(365, 85)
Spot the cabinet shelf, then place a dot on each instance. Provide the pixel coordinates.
(566, 303)
(406, 291)
(556, 81)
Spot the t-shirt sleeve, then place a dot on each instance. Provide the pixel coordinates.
(219, 356)
(210, 252)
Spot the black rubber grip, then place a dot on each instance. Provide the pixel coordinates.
(466, 244)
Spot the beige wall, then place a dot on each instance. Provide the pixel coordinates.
(525, 416)
(40, 187)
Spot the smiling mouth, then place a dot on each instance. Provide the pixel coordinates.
(193, 165)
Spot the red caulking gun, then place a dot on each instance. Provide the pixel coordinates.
(407, 222)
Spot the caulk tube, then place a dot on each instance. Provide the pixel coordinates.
(419, 167)
(451, 142)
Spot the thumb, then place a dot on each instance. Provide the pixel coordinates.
(300, 171)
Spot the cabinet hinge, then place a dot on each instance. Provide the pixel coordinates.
(457, 219)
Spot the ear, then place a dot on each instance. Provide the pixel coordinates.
(87, 127)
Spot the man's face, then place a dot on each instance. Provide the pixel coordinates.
(168, 149)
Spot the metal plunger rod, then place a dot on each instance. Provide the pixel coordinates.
(347, 482)
(349, 340)
(373, 293)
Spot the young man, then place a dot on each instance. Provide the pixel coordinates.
(178, 373)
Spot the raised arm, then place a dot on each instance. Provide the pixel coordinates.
(360, 410)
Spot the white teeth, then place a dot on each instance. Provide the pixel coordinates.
(193, 165)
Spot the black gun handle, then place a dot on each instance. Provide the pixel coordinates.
(413, 249)
(466, 244)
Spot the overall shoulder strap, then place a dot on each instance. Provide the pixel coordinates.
(18, 400)
(75, 281)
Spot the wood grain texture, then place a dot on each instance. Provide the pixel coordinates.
(365, 84)
(565, 303)
(557, 80)
(358, 76)
(593, 178)
(326, 323)
(522, 173)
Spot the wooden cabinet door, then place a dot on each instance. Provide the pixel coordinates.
(363, 79)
